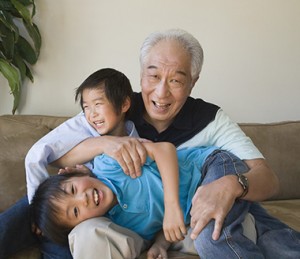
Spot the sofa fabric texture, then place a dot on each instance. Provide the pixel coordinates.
(278, 142)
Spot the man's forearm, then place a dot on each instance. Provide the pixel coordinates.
(263, 182)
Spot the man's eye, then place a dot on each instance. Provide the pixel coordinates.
(72, 189)
(76, 212)
(153, 77)
(174, 83)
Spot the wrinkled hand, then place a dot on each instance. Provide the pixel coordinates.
(212, 201)
(173, 225)
(76, 169)
(129, 153)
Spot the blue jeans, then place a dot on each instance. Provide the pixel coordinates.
(274, 238)
(16, 234)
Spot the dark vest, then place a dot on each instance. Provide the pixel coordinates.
(194, 116)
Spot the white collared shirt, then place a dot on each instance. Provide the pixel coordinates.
(57, 143)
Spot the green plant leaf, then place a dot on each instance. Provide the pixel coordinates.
(7, 20)
(23, 68)
(5, 5)
(7, 42)
(26, 51)
(14, 80)
(35, 35)
(18, 52)
(20, 64)
(29, 74)
(26, 2)
(23, 11)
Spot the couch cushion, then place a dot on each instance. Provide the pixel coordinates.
(280, 144)
(288, 211)
(16, 138)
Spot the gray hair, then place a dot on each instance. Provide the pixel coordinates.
(185, 39)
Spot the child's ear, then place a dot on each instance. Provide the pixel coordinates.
(126, 105)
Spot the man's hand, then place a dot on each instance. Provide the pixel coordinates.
(129, 153)
(212, 201)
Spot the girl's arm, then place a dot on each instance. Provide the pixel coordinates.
(164, 154)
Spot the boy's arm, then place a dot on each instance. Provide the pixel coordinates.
(53, 145)
(128, 151)
(164, 154)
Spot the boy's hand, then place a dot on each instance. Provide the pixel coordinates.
(159, 248)
(76, 169)
(35, 229)
(173, 225)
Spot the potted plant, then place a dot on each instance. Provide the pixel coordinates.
(20, 43)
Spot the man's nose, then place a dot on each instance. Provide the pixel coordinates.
(162, 89)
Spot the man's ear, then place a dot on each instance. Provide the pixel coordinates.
(194, 81)
(126, 105)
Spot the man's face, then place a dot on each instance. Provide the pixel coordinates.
(86, 197)
(166, 83)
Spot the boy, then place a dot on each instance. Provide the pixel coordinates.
(65, 200)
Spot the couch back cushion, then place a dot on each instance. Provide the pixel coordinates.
(16, 138)
(280, 144)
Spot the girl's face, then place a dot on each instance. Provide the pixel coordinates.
(86, 197)
(101, 114)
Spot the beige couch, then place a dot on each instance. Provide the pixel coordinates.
(279, 142)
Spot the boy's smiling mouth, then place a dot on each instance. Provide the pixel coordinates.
(96, 197)
(98, 123)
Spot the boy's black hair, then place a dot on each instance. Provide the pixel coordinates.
(44, 210)
(115, 84)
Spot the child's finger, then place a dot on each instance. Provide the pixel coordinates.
(183, 230)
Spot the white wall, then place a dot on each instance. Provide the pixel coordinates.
(252, 52)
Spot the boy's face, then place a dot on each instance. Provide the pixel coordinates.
(101, 114)
(86, 197)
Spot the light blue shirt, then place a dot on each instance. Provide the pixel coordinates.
(141, 200)
(57, 143)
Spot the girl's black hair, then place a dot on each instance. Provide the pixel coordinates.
(44, 210)
(115, 84)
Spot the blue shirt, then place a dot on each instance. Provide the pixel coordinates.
(141, 200)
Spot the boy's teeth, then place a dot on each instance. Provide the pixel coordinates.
(96, 197)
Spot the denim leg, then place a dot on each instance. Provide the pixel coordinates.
(15, 229)
(232, 243)
(16, 234)
(51, 250)
(275, 239)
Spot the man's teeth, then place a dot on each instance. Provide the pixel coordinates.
(96, 197)
(160, 105)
